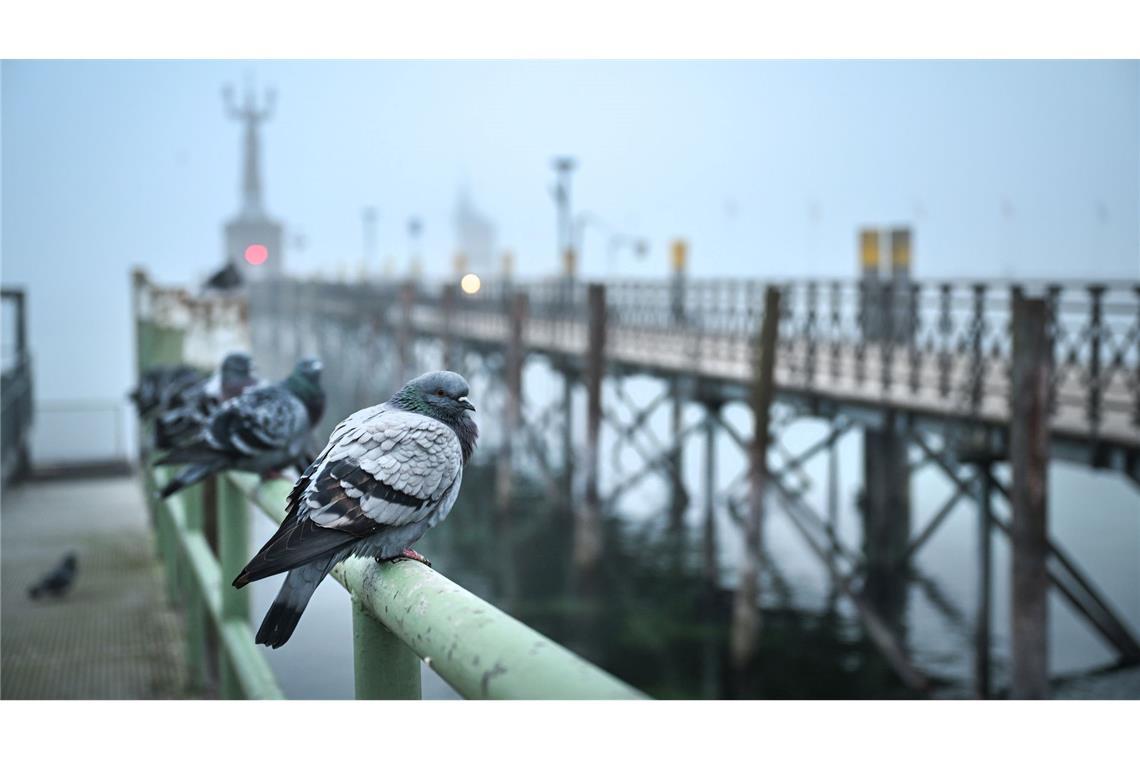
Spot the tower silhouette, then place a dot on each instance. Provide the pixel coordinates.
(253, 239)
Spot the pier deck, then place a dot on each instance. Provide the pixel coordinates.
(114, 636)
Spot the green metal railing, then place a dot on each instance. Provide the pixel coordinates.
(402, 612)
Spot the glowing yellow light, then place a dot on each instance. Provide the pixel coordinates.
(470, 284)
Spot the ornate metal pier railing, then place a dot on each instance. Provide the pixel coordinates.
(933, 348)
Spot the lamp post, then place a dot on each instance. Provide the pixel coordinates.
(616, 240)
(415, 231)
(369, 215)
(564, 167)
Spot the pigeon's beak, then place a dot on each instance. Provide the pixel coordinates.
(463, 402)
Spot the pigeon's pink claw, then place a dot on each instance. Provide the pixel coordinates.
(413, 554)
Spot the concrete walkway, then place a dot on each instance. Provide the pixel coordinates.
(114, 636)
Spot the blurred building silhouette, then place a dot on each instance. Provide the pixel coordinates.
(253, 239)
(474, 234)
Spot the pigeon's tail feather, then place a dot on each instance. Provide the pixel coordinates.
(287, 608)
(298, 543)
(191, 475)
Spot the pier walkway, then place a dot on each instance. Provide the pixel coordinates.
(114, 635)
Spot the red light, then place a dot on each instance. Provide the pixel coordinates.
(256, 254)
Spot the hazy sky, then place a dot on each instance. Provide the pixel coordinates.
(1003, 169)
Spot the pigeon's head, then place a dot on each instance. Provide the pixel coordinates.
(305, 384)
(441, 394)
(309, 368)
(236, 368)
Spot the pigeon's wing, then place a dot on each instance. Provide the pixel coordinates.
(392, 470)
(257, 422)
(389, 469)
(184, 384)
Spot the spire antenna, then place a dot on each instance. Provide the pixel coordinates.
(251, 117)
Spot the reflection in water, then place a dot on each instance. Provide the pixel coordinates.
(646, 609)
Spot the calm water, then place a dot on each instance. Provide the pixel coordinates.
(653, 613)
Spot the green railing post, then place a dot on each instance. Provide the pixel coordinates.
(196, 613)
(167, 549)
(384, 666)
(167, 345)
(233, 548)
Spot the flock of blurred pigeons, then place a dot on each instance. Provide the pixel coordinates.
(225, 420)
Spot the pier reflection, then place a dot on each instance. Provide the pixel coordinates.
(646, 608)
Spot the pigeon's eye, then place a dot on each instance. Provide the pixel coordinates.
(439, 393)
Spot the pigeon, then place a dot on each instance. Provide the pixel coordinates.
(226, 278)
(188, 411)
(388, 473)
(159, 386)
(261, 430)
(58, 581)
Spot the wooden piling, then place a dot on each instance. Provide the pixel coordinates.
(887, 521)
(746, 618)
(568, 436)
(680, 497)
(595, 368)
(982, 623)
(1029, 459)
(404, 336)
(709, 485)
(513, 367)
(447, 304)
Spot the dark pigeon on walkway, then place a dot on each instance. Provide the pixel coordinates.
(262, 430)
(59, 581)
(388, 473)
(184, 420)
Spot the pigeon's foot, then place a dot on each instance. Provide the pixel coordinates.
(412, 554)
(272, 475)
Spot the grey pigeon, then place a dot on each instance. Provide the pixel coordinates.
(188, 411)
(58, 582)
(159, 386)
(388, 473)
(262, 430)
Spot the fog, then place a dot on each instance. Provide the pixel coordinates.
(1003, 169)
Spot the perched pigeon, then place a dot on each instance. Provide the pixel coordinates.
(189, 410)
(58, 581)
(226, 278)
(388, 473)
(159, 386)
(262, 430)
